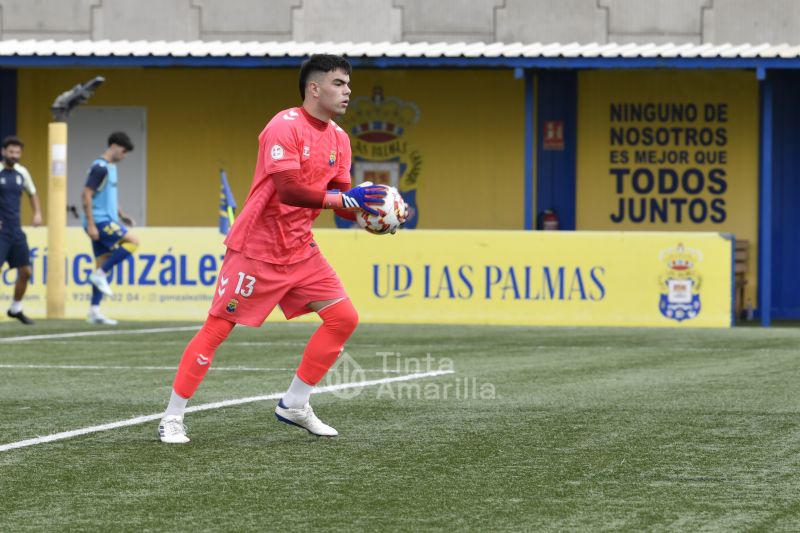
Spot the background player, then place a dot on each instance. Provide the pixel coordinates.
(303, 166)
(111, 240)
(14, 178)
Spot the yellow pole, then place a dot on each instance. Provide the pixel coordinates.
(56, 218)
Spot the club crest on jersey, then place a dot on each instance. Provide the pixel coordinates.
(332, 159)
(231, 307)
(680, 283)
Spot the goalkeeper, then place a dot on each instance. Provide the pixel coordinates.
(303, 167)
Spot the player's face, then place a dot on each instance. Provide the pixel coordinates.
(11, 154)
(333, 92)
(118, 153)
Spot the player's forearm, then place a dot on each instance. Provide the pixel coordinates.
(294, 194)
(302, 197)
(86, 201)
(36, 206)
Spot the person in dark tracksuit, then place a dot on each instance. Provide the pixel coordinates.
(14, 179)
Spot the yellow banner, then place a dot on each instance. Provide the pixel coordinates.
(444, 277)
(171, 276)
(669, 151)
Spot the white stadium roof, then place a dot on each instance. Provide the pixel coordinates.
(236, 53)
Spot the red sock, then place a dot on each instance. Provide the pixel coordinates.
(198, 355)
(339, 320)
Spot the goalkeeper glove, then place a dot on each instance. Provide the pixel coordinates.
(362, 197)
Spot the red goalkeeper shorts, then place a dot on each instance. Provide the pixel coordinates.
(248, 289)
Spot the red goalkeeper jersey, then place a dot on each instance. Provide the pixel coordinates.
(293, 140)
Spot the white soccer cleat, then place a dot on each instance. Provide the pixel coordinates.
(304, 418)
(172, 430)
(101, 282)
(99, 319)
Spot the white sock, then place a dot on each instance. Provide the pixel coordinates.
(177, 405)
(94, 309)
(298, 394)
(16, 306)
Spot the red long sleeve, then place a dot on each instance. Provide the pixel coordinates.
(291, 193)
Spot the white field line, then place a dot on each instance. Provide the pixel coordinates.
(208, 406)
(407, 346)
(175, 367)
(96, 333)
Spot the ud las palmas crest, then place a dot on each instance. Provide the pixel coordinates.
(680, 283)
(381, 152)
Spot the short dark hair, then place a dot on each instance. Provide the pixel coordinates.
(12, 140)
(321, 63)
(120, 138)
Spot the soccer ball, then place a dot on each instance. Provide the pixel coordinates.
(391, 214)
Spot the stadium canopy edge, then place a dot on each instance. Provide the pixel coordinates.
(758, 64)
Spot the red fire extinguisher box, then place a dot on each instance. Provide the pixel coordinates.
(548, 220)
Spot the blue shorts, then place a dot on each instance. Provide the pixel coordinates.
(110, 235)
(14, 249)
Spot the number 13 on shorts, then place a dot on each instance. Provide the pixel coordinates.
(245, 285)
(249, 289)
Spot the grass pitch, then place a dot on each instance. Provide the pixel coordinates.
(536, 429)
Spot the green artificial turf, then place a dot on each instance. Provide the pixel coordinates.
(558, 429)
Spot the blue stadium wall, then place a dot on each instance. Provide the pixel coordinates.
(557, 100)
(786, 195)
